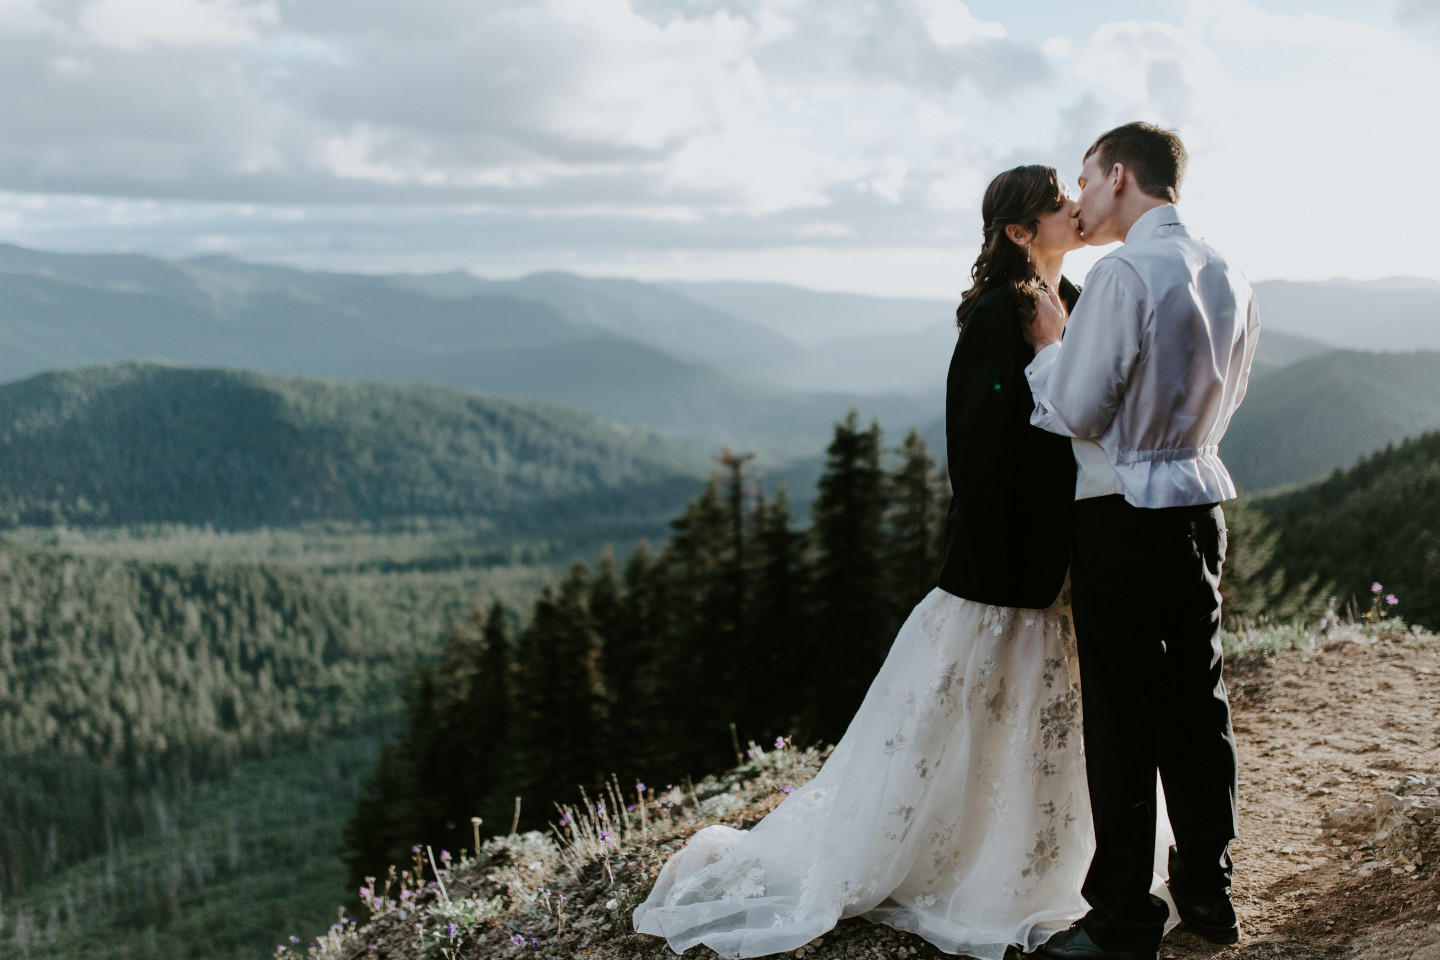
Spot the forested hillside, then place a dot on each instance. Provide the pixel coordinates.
(148, 443)
(120, 679)
(1326, 412)
(1378, 522)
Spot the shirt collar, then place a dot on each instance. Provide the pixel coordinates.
(1165, 215)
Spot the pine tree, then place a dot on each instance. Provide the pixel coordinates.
(912, 555)
(773, 651)
(565, 713)
(480, 733)
(851, 612)
(735, 576)
(644, 666)
(702, 692)
(607, 613)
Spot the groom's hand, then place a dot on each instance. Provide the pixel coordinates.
(1049, 322)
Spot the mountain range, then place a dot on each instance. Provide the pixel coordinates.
(767, 367)
(625, 350)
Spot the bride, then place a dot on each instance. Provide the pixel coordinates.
(955, 805)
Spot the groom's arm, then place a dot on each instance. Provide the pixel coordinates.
(1078, 386)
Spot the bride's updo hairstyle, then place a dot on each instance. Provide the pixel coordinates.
(1020, 196)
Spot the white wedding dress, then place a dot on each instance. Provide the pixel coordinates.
(954, 807)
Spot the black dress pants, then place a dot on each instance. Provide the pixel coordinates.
(1145, 594)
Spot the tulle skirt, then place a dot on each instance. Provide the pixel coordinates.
(954, 807)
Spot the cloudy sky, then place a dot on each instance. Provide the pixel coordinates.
(839, 144)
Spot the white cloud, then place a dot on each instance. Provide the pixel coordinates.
(951, 24)
(1156, 70)
(1242, 22)
(138, 24)
(24, 17)
(1059, 48)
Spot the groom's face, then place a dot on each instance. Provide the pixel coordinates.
(1097, 202)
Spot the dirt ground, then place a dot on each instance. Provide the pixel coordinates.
(1318, 730)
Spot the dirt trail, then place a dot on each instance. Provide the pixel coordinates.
(1334, 725)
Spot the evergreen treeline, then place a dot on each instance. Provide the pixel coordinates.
(1379, 521)
(641, 667)
(144, 443)
(121, 681)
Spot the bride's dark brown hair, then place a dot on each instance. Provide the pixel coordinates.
(1020, 196)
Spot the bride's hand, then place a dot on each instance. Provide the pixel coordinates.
(1049, 322)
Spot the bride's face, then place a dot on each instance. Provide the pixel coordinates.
(1059, 230)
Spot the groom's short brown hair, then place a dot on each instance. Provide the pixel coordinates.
(1153, 155)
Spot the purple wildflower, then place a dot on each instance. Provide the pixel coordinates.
(565, 820)
(1391, 599)
(785, 788)
(294, 939)
(518, 940)
(630, 808)
(753, 752)
(444, 856)
(452, 931)
(779, 743)
(605, 836)
(1375, 587)
(640, 788)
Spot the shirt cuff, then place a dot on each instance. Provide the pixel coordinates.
(1037, 372)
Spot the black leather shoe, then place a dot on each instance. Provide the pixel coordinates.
(1214, 921)
(1075, 944)
(1213, 918)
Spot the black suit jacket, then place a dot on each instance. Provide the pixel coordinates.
(1007, 536)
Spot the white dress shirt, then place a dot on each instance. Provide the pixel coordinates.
(1156, 359)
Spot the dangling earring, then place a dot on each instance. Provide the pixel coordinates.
(1030, 257)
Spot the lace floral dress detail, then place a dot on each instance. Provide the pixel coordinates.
(954, 807)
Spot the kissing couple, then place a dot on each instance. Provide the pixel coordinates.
(972, 801)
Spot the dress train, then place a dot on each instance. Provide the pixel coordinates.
(954, 807)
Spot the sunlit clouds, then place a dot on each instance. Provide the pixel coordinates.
(839, 144)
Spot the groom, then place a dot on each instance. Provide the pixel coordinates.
(1154, 363)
